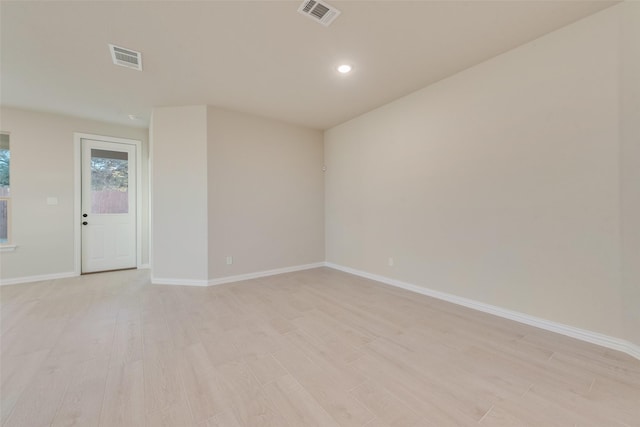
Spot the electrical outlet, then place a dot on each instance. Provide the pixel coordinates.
(229, 260)
(390, 262)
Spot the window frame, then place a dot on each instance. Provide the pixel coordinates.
(8, 245)
(9, 242)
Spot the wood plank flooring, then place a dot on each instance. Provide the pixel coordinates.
(312, 348)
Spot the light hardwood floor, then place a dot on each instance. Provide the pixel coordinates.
(312, 348)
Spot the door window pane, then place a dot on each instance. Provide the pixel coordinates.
(109, 182)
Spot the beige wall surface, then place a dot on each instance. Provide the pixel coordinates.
(266, 194)
(42, 165)
(178, 142)
(228, 184)
(630, 166)
(499, 184)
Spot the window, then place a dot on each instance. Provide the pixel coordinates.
(5, 200)
(109, 182)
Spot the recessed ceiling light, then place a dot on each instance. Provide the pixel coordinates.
(344, 68)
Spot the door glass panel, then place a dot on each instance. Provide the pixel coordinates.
(109, 182)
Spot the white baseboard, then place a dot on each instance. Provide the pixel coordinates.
(581, 334)
(237, 278)
(178, 282)
(249, 276)
(40, 278)
(632, 350)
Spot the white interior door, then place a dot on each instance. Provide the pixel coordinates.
(108, 206)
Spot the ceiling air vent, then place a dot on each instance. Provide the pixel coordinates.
(126, 57)
(319, 11)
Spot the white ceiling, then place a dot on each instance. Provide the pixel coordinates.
(259, 57)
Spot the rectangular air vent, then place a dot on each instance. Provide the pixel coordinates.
(319, 11)
(126, 57)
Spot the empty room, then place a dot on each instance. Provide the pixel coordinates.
(307, 213)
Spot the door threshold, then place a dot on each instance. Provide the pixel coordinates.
(109, 271)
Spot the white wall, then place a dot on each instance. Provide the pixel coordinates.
(266, 194)
(42, 165)
(178, 142)
(499, 184)
(233, 184)
(630, 166)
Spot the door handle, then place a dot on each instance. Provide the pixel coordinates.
(84, 223)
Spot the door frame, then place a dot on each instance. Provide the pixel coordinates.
(77, 197)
